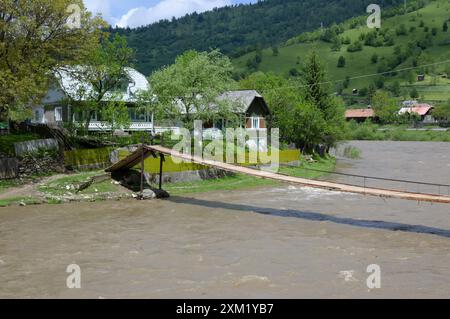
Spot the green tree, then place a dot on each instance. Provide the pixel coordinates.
(384, 106)
(317, 94)
(336, 44)
(34, 40)
(442, 112)
(115, 114)
(341, 62)
(188, 87)
(103, 76)
(445, 27)
(374, 58)
(395, 88)
(275, 50)
(414, 94)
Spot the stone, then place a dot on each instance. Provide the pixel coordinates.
(148, 194)
(160, 193)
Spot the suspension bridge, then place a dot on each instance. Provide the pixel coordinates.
(156, 150)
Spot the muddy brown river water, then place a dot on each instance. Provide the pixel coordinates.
(268, 242)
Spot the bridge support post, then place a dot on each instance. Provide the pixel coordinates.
(161, 160)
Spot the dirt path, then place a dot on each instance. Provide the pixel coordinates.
(28, 190)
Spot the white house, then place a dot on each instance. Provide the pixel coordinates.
(53, 111)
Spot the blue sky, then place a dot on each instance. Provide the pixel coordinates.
(134, 13)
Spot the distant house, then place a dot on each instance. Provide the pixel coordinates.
(250, 106)
(421, 77)
(360, 115)
(423, 110)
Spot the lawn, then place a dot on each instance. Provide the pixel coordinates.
(368, 131)
(240, 181)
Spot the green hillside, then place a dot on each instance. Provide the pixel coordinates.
(236, 29)
(401, 49)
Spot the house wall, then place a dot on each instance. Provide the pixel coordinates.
(258, 110)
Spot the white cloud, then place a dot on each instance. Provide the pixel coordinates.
(101, 6)
(166, 9)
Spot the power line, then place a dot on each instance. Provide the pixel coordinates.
(354, 77)
(365, 75)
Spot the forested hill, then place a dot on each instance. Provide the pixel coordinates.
(236, 30)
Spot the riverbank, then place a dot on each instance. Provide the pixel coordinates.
(63, 188)
(374, 132)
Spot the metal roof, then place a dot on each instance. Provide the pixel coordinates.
(420, 109)
(72, 86)
(359, 113)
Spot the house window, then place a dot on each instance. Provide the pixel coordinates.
(255, 122)
(58, 114)
(38, 116)
(137, 115)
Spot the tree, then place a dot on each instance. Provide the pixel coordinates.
(341, 62)
(445, 27)
(317, 94)
(115, 114)
(188, 87)
(346, 82)
(275, 50)
(34, 40)
(100, 78)
(395, 88)
(374, 58)
(384, 106)
(336, 44)
(442, 112)
(414, 94)
(293, 72)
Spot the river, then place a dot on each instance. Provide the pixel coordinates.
(276, 242)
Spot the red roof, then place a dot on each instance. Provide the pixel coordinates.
(359, 113)
(420, 109)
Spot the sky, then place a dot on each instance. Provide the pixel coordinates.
(134, 13)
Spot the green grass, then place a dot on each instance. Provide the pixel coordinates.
(5, 184)
(358, 63)
(241, 181)
(64, 185)
(7, 142)
(368, 131)
(17, 200)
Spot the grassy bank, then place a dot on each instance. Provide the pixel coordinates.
(374, 132)
(64, 189)
(240, 181)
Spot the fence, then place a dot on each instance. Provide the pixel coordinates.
(403, 185)
(9, 168)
